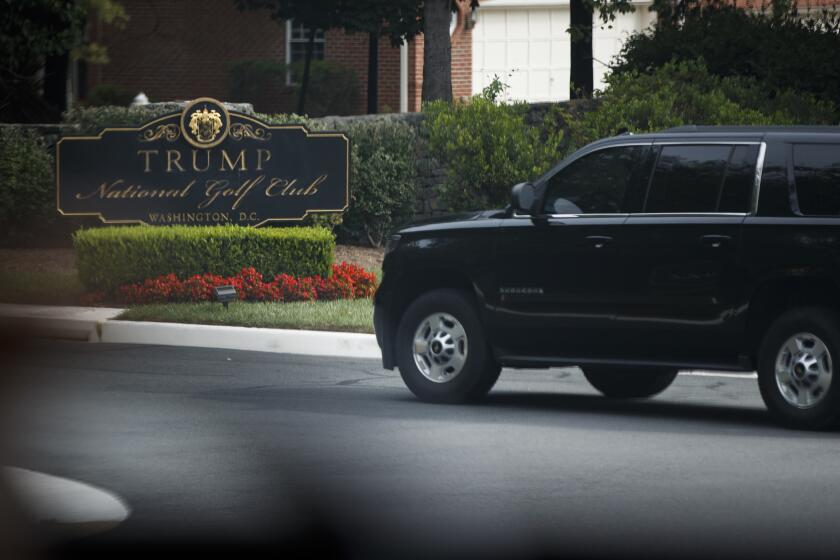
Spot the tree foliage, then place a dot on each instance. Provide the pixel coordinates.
(782, 49)
(488, 147)
(396, 19)
(31, 31)
(399, 20)
(681, 93)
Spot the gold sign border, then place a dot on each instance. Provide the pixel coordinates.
(306, 131)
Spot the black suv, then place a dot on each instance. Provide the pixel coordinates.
(695, 248)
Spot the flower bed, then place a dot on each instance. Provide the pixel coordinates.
(347, 281)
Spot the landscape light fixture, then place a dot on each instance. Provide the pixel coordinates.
(224, 294)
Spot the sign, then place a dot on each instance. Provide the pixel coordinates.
(205, 165)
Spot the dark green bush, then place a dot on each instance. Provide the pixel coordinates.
(333, 89)
(27, 185)
(681, 93)
(107, 94)
(382, 172)
(112, 256)
(382, 177)
(488, 147)
(259, 82)
(782, 49)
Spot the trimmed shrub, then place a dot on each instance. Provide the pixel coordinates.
(382, 180)
(27, 195)
(488, 147)
(109, 257)
(681, 93)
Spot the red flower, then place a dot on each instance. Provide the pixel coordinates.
(348, 281)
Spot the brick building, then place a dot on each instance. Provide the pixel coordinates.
(182, 49)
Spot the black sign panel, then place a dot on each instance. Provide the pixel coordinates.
(204, 165)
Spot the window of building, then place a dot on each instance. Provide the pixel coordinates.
(816, 171)
(297, 36)
(595, 184)
(694, 178)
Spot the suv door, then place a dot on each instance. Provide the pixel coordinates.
(558, 273)
(682, 276)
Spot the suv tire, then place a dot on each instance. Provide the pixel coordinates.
(629, 383)
(798, 358)
(442, 351)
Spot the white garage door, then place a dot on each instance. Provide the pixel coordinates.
(525, 44)
(528, 49)
(607, 40)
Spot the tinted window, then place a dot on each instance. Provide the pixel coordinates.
(594, 184)
(740, 180)
(688, 179)
(816, 171)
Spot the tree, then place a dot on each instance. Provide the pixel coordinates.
(581, 77)
(313, 14)
(783, 49)
(46, 34)
(399, 20)
(582, 15)
(437, 50)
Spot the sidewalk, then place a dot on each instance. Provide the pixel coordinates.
(52, 321)
(98, 324)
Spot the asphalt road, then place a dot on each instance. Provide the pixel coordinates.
(226, 446)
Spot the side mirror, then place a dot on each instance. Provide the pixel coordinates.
(523, 198)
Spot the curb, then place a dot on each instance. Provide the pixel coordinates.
(98, 324)
(66, 505)
(283, 341)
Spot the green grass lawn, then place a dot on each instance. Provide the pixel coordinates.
(41, 288)
(340, 315)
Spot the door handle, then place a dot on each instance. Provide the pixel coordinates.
(599, 241)
(715, 241)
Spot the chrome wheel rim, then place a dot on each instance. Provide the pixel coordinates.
(440, 347)
(803, 370)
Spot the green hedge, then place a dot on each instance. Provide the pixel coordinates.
(27, 187)
(112, 256)
(383, 169)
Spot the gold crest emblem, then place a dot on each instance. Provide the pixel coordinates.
(205, 125)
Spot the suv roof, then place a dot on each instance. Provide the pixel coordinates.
(754, 129)
(694, 133)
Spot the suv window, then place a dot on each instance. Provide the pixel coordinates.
(594, 184)
(816, 171)
(697, 178)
